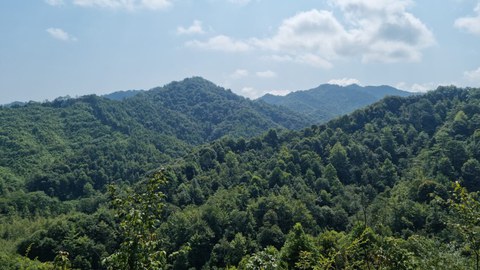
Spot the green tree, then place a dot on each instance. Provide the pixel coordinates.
(139, 215)
(267, 259)
(460, 123)
(271, 137)
(471, 174)
(388, 173)
(296, 243)
(339, 159)
(388, 141)
(466, 219)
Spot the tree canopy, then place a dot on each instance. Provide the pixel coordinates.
(382, 188)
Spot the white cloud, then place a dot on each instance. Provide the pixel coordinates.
(311, 31)
(354, 9)
(307, 38)
(155, 4)
(125, 4)
(470, 24)
(344, 81)
(372, 30)
(267, 74)
(239, 73)
(221, 43)
(418, 87)
(249, 92)
(473, 75)
(59, 34)
(54, 2)
(383, 31)
(312, 60)
(279, 92)
(305, 59)
(239, 2)
(254, 93)
(195, 28)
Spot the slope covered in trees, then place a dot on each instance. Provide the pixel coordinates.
(198, 111)
(70, 147)
(370, 190)
(328, 101)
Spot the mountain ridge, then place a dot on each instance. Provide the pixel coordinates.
(123, 94)
(328, 101)
(64, 137)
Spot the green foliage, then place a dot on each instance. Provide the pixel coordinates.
(67, 146)
(364, 191)
(267, 259)
(471, 174)
(466, 219)
(16, 262)
(86, 238)
(327, 177)
(139, 215)
(339, 159)
(298, 248)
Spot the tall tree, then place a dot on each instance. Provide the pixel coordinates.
(139, 214)
(339, 159)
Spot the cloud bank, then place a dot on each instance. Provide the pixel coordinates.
(373, 30)
(344, 81)
(470, 24)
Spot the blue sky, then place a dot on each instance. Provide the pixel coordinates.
(52, 48)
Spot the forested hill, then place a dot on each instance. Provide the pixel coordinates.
(197, 111)
(328, 101)
(67, 146)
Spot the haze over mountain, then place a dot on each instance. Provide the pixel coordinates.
(330, 100)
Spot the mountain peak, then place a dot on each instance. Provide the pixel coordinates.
(196, 80)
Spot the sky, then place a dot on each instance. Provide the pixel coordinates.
(53, 48)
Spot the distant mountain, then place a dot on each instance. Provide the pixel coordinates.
(328, 101)
(121, 95)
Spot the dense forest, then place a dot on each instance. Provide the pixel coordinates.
(69, 148)
(158, 182)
